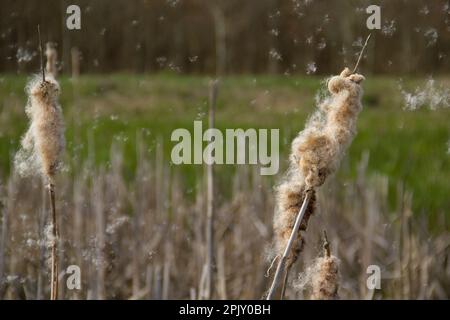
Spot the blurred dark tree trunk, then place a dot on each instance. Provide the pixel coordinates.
(220, 28)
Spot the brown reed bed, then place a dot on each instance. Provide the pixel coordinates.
(154, 242)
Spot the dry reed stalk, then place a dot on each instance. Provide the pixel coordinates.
(99, 212)
(78, 230)
(135, 281)
(166, 277)
(52, 59)
(157, 283)
(148, 281)
(222, 286)
(210, 200)
(287, 251)
(192, 294)
(42, 248)
(6, 211)
(55, 236)
(160, 177)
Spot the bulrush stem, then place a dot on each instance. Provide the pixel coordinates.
(210, 200)
(282, 263)
(55, 236)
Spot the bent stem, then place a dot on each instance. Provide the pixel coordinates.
(287, 250)
(361, 53)
(55, 236)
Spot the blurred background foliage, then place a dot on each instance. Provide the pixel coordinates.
(272, 56)
(230, 36)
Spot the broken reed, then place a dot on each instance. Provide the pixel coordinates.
(210, 200)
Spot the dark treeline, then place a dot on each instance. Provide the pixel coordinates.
(229, 36)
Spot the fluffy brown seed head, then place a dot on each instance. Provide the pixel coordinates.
(43, 144)
(318, 149)
(322, 277)
(325, 279)
(290, 196)
(315, 154)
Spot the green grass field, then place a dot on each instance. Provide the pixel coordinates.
(409, 147)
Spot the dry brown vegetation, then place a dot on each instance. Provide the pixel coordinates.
(145, 238)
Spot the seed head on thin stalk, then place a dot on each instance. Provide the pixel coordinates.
(42, 147)
(43, 143)
(315, 154)
(322, 276)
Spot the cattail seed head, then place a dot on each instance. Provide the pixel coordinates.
(290, 196)
(43, 144)
(325, 281)
(318, 149)
(322, 277)
(315, 154)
